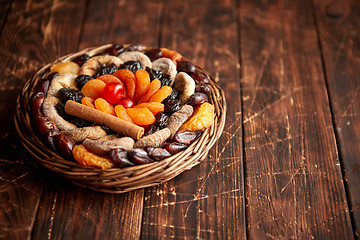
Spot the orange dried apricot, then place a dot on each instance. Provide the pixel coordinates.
(88, 102)
(65, 67)
(93, 88)
(107, 78)
(153, 88)
(161, 94)
(173, 55)
(154, 107)
(121, 113)
(104, 106)
(127, 77)
(89, 159)
(142, 83)
(202, 117)
(141, 116)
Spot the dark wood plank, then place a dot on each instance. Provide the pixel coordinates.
(294, 187)
(75, 213)
(338, 24)
(26, 46)
(4, 10)
(205, 202)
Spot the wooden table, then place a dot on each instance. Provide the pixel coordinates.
(287, 165)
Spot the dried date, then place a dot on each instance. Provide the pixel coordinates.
(139, 156)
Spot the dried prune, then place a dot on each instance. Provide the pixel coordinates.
(203, 87)
(172, 105)
(199, 77)
(66, 94)
(120, 158)
(174, 94)
(132, 65)
(81, 59)
(81, 80)
(154, 74)
(79, 122)
(165, 80)
(198, 98)
(139, 156)
(158, 154)
(112, 68)
(174, 147)
(151, 129)
(106, 69)
(185, 66)
(108, 130)
(186, 137)
(64, 145)
(114, 50)
(154, 53)
(161, 119)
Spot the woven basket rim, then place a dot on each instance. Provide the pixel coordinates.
(116, 180)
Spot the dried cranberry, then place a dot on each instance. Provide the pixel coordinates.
(81, 59)
(198, 98)
(66, 94)
(174, 147)
(139, 156)
(185, 66)
(132, 65)
(120, 158)
(153, 73)
(161, 119)
(81, 80)
(186, 137)
(199, 77)
(154, 53)
(203, 87)
(159, 154)
(172, 105)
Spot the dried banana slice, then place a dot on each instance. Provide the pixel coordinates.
(50, 111)
(185, 85)
(136, 56)
(92, 66)
(66, 80)
(166, 66)
(102, 147)
(80, 134)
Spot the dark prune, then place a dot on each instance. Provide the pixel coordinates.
(174, 94)
(151, 129)
(112, 68)
(153, 73)
(66, 94)
(186, 137)
(172, 105)
(154, 53)
(132, 65)
(79, 122)
(80, 60)
(81, 80)
(159, 154)
(161, 119)
(64, 145)
(165, 80)
(135, 47)
(115, 50)
(139, 156)
(198, 98)
(106, 69)
(203, 87)
(199, 77)
(174, 147)
(185, 66)
(108, 130)
(120, 158)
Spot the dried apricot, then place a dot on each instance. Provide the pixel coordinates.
(142, 83)
(141, 116)
(88, 102)
(173, 55)
(161, 94)
(127, 77)
(93, 88)
(153, 88)
(89, 159)
(121, 113)
(202, 117)
(107, 78)
(104, 106)
(154, 107)
(65, 67)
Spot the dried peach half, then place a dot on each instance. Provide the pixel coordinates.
(154, 107)
(127, 77)
(153, 88)
(161, 94)
(104, 106)
(93, 88)
(141, 116)
(121, 113)
(89, 159)
(202, 117)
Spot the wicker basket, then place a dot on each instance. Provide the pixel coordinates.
(116, 180)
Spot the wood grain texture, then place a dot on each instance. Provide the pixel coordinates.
(205, 202)
(339, 23)
(4, 10)
(290, 148)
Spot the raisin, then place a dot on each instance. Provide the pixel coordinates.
(139, 156)
(198, 98)
(203, 87)
(186, 137)
(161, 119)
(114, 50)
(185, 66)
(81, 59)
(154, 53)
(66, 94)
(132, 65)
(172, 105)
(154, 74)
(120, 158)
(81, 80)
(151, 129)
(158, 154)
(174, 147)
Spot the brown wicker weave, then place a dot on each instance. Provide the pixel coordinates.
(116, 180)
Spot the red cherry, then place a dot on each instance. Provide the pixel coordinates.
(126, 102)
(114, 91)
